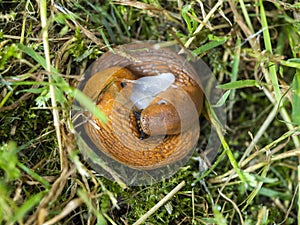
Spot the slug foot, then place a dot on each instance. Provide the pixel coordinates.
(143, 135)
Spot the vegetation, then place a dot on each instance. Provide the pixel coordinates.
(253, 50)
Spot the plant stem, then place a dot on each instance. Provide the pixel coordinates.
(43, 12)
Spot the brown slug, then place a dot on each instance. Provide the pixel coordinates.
(168, 118)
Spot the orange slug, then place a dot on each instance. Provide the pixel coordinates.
(152, 99)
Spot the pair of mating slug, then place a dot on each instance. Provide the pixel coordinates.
(150, 95)
(152, 99)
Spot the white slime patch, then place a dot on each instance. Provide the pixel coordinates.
(147, 88)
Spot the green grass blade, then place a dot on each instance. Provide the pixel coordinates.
(120, 17)
(190, 22)
(86, 199)
(38, 58)
(223, 99)
(87, 103)
(34, 175)
(28, 206)
(268, 46)
(217, 126)
(210, 45)
(105, 39)
(293, 63)
(296, 99)
(8, 161)
(236, 60)
(239, 84)
(258, 187)
(298, 200)
(78, 95)
(234, 74)
(274, 194)
(246, 16)
(219, 218)
(6, 97)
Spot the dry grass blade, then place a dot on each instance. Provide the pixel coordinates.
(234, 205)
(56, 120)
(243, 26)
(150, 8)
(55, 191)
(205, 20)
(72, 205)
(85, 31)
(159, 204)
(139, 5)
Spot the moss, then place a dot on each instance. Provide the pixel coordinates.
(84, 33)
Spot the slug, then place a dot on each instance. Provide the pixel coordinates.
(146, 88)
(152, 99)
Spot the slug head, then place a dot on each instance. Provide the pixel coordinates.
(172, 112)
(160, 119)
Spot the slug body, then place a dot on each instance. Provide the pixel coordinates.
(166, 95)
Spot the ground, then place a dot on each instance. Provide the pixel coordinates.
(253, 51)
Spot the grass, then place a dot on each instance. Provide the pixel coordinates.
(253, 50)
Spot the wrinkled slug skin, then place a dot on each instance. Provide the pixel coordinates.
(168, 120)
